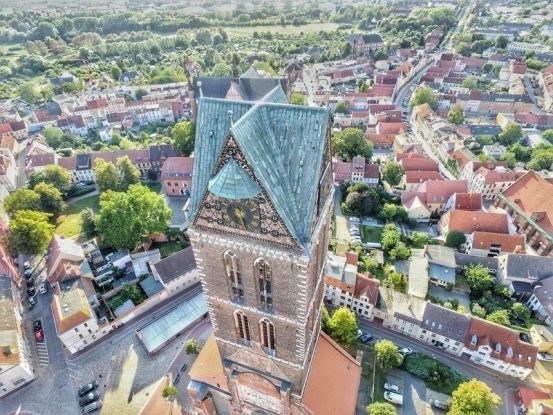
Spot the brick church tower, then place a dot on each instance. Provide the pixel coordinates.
(260, 212)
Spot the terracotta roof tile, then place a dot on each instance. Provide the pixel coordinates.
(468, 222)
(412, 164)
(366, 286)
(468, 201)
(509, 243)
(421, 176)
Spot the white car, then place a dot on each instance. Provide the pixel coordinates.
(405, 351)
(354, 220)
(391, 387)
(394, 397)
(43, 289)
(26, 265)
(545, 357)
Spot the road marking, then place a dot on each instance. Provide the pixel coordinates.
(42, 352)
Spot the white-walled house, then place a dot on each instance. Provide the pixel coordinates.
(541, 301)
(177, 271)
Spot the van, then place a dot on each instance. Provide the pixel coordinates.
(394, 397)
(94, 406)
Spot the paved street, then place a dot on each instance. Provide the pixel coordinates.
(499, 383)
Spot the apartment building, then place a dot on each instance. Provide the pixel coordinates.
(16, 364)
(356, 171)
(541, 301)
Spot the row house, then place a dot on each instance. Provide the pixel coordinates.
(431, 197)
(468, 222)
(16, 362)
(74, 124)
(489, 178)
(522, 273)
(176, 175)
(382, 141)
(528, 202)
(531, 119)
(489, 103)
(444, 328)
(176, 272)
(541, 301)
(399, 312)
(8, 167)
(345, 287)
(464, 201)
(545, 79)
(356, 171)
(18, 128)
(525, 47)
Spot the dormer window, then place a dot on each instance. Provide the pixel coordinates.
(498, 348)
(474, 339)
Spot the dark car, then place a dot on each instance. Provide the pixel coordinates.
(31, 291)
(94, 406)
(89, 398)
(84, 389)
(365, 338)
(439, 404)
(37, 325)
(30, 282)
(27, 273)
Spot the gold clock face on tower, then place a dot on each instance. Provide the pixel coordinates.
(241, 214)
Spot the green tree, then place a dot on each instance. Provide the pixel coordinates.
(88, 222)
(387, 354)
(456, 114)
(419, 239)
(388, 212)
(115, 72)
(548, 135)
(478, 278)
(470, 82)
(29, 232)
(454, 239)
(221, 69)
(51, 200)
(511, 135)
(183, 136)
(107, 176)
(192, 346)
(499, 317)
(520, 311)
(542, 158)
(343, 326)
(381, 408)
(390, 237)
(128, 173)
(132, 292)
(392, 173)
(53, 136)
(169, 392)
(501, 42)
(478, 310)
(341, 107)
(54, 175)
(473, 398)
(325, 320)
(22, 199)
(351, 142)
(297, 99)
(126, 219)
(400, 251)
(423, 95)
(30, 92)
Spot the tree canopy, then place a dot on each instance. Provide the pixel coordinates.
(456, 114)
(474, 398)
(387, 354)
(128, 173)
(297, 99)
(351, 142)
(392, 173)
(126, 219)
(381, 408)
(29, 232)
(22, 199)
(478, 277)
(55, 175)
(423, 95)
(107, 176)
(343, 326)
(183, 135)
(391, 236)
(454, 239)
(511, 134)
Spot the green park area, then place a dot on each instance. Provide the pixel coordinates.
(372, 233)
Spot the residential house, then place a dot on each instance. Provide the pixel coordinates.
(365, 44)
(432, 195)
(490, 103)
(492, 244)
(528, 202)
(468, 222)
(533, 401)
(38, 162)
(441, 264)
(16, 362)
(499, 348)
(176, 176)
(489, 178)
(464, 201)
(345, 287)
(75, 321)
(541, 301)
(159, 153)
(177, 271)
(418, 164)
(545, 79)
(8, 167)
(444, 328)
(495, 151)
(66, 259)
(73, 124)
(399, 312)
(525, 47)
(356, 171)
(522, 272)
(413, 179)
(542, 337)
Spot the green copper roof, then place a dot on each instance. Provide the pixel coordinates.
(232, 182)
(284, 145)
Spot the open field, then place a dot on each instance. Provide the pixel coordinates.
(69, 224)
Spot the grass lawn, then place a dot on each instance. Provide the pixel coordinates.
(306, 28)
(69, 223)
(168, 248)
(372, 233)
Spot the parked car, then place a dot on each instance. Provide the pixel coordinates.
(439, 404)
(86, 388)
(359, 333)
(43, 289)
(27, 273)
(31, 291)
(26, 265)
(32, 301)
(365, 338)
(355, 220)
(94, 406)
(394, 397)
(39, 333)
(89, 398)
(30, 282)
(391, 387)
(406, 351)
(545, 357)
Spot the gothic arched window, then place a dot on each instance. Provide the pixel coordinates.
(234, 278)
(267, 333)
(242, 326)
(263, 276)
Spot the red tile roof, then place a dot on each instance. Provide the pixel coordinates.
(333, 380)
(468, 222)
(372, 171)
(439, 191)
(527, 395)
(409, 155)
(511, 349)
(390, 127)
(509, 243)
(368, 287)
(177, 166)
(533, 195)
(468, 201)
(421, 176)
(414, 164)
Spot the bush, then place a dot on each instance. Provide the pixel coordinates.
(436, 375)
(81, 190)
